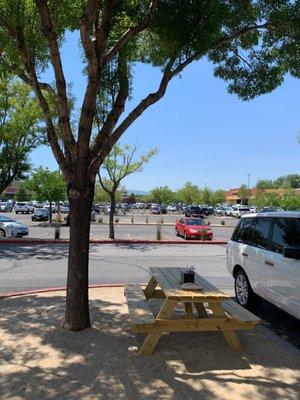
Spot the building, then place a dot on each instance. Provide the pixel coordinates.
(231, 195)
(10, 191)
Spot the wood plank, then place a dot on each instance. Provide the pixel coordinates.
(239, 312)
(138, 307)
(149, 289)
(152, 338)
(201, 310)
(230, 336)
(195, 325)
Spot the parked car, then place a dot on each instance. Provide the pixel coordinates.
(194, 211)
(40, 214)
(263, 255)
(156, 210)
(11, 228)
(228, 211)
(24, 207)
(193, 228)
(252, 209)
(6, 206)
(163, 209)
(241, 211)
(268, 209)
(220, 210)
(172, 208)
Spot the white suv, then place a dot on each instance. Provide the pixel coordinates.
(263, 255)
(24, 207)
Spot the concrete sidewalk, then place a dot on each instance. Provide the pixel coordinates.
(39, 360)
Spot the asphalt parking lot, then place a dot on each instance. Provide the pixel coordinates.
(125, 229)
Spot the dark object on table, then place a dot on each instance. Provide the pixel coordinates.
(188, 276)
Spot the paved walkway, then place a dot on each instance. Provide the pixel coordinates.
(39, 360)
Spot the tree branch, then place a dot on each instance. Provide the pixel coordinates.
(63, 106)
(117, 108)
(127, 35)
(93, 54)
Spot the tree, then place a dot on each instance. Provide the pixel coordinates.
(252, 44)
(288, 181)
(189, 194)
(218, 197)
(21, 130)
(244, 194)
(206, 195)
(47, 185)
(117, 165)
(22, 193)
(161, 195)
(264, 184)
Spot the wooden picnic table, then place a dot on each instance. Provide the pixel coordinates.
(206, 309)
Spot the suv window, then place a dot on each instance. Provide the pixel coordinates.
(286, 232)
(236, 233)
(246, 234)
(261, 232)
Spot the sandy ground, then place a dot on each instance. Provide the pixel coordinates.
(39, 360)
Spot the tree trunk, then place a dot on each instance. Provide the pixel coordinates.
(111, 214)
(77, 302)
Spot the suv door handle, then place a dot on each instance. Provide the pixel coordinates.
(245, 254)
(269, 263)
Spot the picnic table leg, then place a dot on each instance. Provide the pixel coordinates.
(149, 289)
(230, 336)
(152, 339)
(188, 310)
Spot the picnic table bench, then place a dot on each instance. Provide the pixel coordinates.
(206, 309)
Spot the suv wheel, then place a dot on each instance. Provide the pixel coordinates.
(243, 290)
(2, 233)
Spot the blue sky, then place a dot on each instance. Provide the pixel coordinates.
(204, 134)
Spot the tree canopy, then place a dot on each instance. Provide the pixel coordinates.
(21, 130)
(47, 185)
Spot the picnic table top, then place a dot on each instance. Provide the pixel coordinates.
(169, 281)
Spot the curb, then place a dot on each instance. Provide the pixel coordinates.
(6, 295)
(29, 242)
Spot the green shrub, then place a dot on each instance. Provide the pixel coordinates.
(132, 219)
(117, 220)
(222, 222)
(100, 220)
(147, 220)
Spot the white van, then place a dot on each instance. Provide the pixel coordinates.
(24, 207)
(263, 255)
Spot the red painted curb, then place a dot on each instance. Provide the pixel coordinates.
(27, 242)
(56, 289)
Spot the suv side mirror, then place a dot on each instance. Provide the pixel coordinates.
(291, 252)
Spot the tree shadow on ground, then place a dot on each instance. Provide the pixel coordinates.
(39, 251)
(40, 360)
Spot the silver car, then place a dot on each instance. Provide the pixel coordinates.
(11, 228)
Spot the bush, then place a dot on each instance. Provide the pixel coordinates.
(100, 220)
(132, 219)
(57, 231)
(222, 222)
(117, 220)
(58, 218)
(161, 220)
(208, 222)
(147, 220)
(158, 232)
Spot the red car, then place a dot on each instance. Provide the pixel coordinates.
(193, 228)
